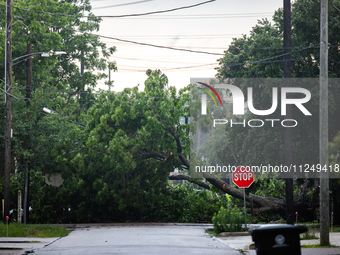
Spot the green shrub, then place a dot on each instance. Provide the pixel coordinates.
(184, 203)
(308, 235)
(228, 220)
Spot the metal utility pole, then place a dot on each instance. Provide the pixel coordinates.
(323, 136)
(8, 89)
(287, 69)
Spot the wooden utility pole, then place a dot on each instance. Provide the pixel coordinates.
(8, 88)
(323, 137)
(28, 98)
(287, 70)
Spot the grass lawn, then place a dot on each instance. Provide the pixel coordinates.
(318, 246)
(335, 229)
(22, 230)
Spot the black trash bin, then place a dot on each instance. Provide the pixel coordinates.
(277, 239)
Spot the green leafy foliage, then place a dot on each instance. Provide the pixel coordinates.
(117, 167)
(115, 150)
(60, 83)
(186, 204)
(228, 219)
(63, 83)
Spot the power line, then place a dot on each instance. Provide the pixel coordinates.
(201, 69)
(157, 46)
(149, 60)
(116, 16)
(202, 17)
(125, 70)
(120, 95)
(129, 41)
(172, 68)
(156, 12)
(218, 14)
(119, 5)
(178, 37)
(148, 44)
(238, 48)
(205, 35)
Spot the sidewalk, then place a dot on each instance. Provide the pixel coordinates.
(243, 242)
(19, 245)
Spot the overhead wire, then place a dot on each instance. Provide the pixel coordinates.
(150, 60)
(167, 68)
(214, 14)
(235, 47)
(303, 48)
(119, 95)
(132, 42)
(176, 36)
(158, 46)
(156, 12)
(200, 18)
(253, 62)
(140, 43)
(115, 16)
(243, 63)
(229, 65)
(119, 5)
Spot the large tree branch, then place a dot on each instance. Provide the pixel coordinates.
(183, 159)
(275, 204)
(69, 96)
(265, 203)
(189, 179)
(151, 154)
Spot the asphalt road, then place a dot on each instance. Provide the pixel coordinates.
(160, 240)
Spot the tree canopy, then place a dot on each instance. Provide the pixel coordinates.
(115, 150)
(260, 55)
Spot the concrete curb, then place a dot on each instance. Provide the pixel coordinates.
(20, 245)
(128, 224)
(226, 234)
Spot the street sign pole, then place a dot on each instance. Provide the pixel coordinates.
(245, 211)
(243, 177)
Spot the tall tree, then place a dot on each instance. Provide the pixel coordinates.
(58, 82)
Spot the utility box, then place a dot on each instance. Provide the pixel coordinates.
(277, 239)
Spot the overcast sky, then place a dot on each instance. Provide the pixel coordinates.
(209, 27)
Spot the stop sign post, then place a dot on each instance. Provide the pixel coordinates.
(243, 177)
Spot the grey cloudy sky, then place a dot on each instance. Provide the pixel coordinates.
(209, 27)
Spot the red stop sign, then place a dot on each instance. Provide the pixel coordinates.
(243, 177)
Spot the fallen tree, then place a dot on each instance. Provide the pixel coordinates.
(259, 204)
(145, 133)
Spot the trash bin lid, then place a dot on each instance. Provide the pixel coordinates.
(277, 227)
